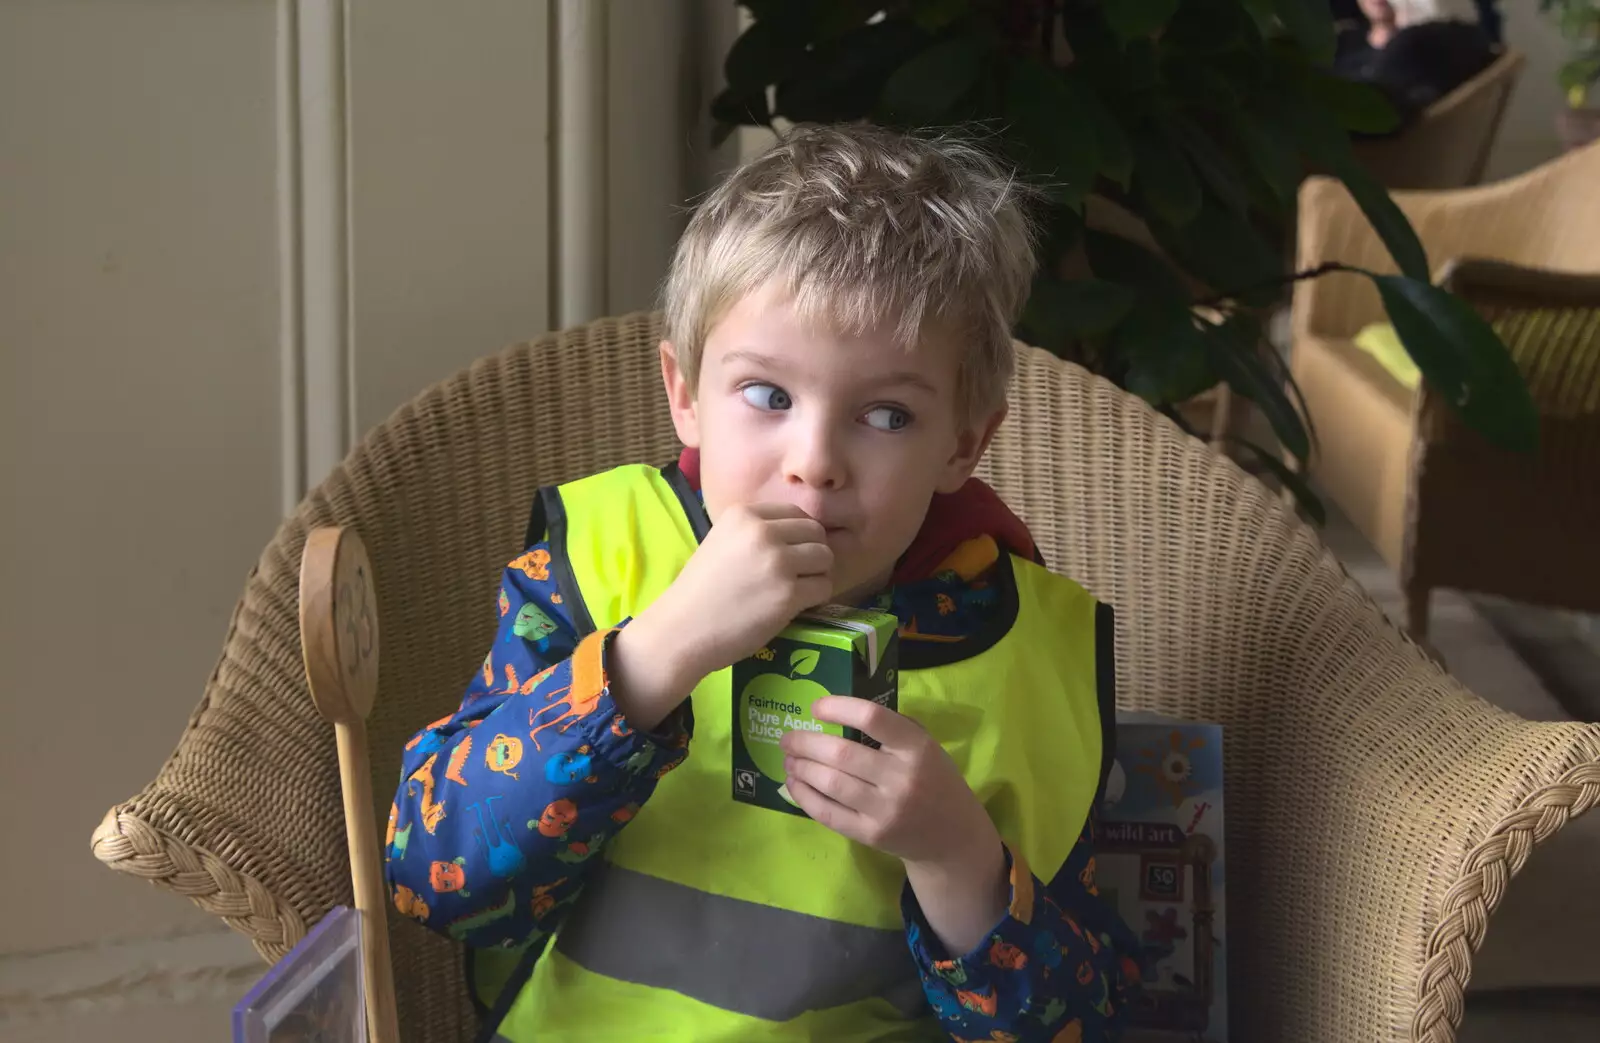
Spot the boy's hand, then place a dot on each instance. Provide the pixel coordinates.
(759, 566)
(907, 799)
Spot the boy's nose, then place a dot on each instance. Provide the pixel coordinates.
(814, 462)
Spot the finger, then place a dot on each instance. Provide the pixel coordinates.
(774, 511)
(797, 530)
(808, 559)
(839, 787)
(828, 812)
(841, 754)
(894, 731)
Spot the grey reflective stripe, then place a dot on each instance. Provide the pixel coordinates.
(741, 956)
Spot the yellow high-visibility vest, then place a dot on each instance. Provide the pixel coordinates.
(710, 920)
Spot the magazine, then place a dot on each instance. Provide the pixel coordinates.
(1160, 863)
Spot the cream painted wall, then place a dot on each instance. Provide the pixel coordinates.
(234, 234)
(139, 340)
(450, 189)
(1528, 136)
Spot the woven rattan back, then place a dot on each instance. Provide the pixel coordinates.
(1375, 808)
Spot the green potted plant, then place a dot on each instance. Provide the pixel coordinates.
(1171, 137)
(1579, 23)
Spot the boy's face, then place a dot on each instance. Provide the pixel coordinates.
(854, 430)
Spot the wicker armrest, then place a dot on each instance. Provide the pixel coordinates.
(1376, 809)
(1432, 800)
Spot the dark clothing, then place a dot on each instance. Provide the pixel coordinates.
(1421, 63)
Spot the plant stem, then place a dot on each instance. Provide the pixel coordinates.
(1310, 273)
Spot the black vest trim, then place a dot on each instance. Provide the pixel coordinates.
(555, 513)
(1105, 683)
(689, 500)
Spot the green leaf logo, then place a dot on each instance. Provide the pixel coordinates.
(803, 661)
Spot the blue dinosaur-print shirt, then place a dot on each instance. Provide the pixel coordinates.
(482, 807)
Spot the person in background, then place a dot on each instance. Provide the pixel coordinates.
(1489, 20)
(1414, 61)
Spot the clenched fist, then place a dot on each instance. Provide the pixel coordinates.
(759, 566)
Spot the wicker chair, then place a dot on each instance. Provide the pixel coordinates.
(1377, 809)
(1449, 145)
(1441, 508)
(1499, 523)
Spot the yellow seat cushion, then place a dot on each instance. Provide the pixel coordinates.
(1382, 342)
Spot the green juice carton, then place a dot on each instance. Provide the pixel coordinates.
(829, 650)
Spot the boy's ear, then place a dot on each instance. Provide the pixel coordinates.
(680, 397)
(971, 443)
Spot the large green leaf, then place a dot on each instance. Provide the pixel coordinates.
(1111, 142)
(1327, 147)
(1204, 86)
(1061, 231)
(763, 54)
(1271, 156)
(734, 107)
(1359, 107)
(1262, 11)
(1387, 220)
(792, 16)
(1164, 178)
(1096, 51)
(1225, 249)
(928, 86)
(1311, 23)
(1133, 19)
(1054, 130)
(1120, 260)
(1236, 354)
(1164, 356)
(1215, 167)
(1207, 27)
(933, 15)
(1140, 66)
(1463, 360)
(840, 78)
(1061, 312)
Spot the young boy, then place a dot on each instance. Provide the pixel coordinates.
(836, 360)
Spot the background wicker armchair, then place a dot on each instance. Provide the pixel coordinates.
(1498, 523)
(1370, 444)
(1449, 145)
(1377, 810)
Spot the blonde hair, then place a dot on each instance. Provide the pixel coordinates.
(863, 227)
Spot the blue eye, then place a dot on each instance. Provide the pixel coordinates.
(766, 397)
(887, 418)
